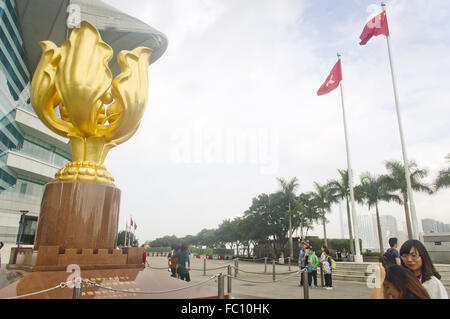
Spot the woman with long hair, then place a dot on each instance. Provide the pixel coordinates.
(398, 282)
(414, 256)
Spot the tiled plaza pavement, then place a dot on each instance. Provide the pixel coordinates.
(261, 285)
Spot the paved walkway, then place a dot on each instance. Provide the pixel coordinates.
(260, 285)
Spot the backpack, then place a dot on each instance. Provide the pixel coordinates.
(326, 267)
(333, 264)
(389, 257)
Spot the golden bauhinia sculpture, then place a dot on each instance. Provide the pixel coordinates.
(75, 96)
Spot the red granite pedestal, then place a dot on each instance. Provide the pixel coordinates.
(77, 228)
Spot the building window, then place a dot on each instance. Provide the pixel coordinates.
(27, 230)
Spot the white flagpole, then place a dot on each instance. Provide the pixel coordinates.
(129, 237)
(358, 256)
(414, 233)
(126, 232)
(134, 228)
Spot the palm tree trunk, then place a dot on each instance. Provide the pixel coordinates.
(380, 235)
(291, 249)
(350, 232)
(324, 233)
(408, 219)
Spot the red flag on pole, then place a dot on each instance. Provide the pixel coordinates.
(131, 222)
(332, 80)
(135, 225)
(376, 26)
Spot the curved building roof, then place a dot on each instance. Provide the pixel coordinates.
(47, 20)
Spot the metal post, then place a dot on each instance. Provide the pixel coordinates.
(236, 267)
(305, 285)
(77, 288)
(273, 271)
(289, 262)
(321, 275)
(412, 222)
(221, 293)
(358, 257)
(229, 279)
(204, 267)
(265, 264)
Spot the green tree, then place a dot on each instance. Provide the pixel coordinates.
(308, 212)
(443, 178)
(270, 211)
(340, 189)
(166, 241)
(288, 189)
(396, 181)
(226, 233)
(371, 191)
(323, 198)
(133, 242)
(207, 237)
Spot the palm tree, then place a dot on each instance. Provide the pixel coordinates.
(371, 191)
(288, 189)
(308, 212)
(340, 189)
(323, 199)
(396, 181)
(443, 179)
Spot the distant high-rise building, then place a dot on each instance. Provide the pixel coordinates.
(388, 228)
(341, 220)
(430, 225)
(368, 232)
(367, 228)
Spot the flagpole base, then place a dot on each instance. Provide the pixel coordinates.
(358, 259)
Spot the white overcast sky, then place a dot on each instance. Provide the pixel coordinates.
(249, 71)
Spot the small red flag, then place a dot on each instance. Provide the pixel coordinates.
(332, 80)
(135, 225)
(131, 222)
(376, 26)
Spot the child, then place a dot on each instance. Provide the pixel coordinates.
(313, 263)
(326, 267)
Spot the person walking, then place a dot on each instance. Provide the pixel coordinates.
(173, 261)
(313, 263)
(1, 246)
(184, 262)
(302, 261)
(397, 282)
(392, 256)
(414, 256)
(323, 255)
(327, 270)
(145, 254)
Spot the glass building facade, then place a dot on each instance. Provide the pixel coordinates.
(30, 154)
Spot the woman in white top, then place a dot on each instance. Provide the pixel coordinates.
(415, 257)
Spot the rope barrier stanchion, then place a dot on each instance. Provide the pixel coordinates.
(229, 279)
(321, 275)
(289, 262)
(265, 264)
(77, 288)
(221, 287)
(204, 267)
(236, 267)
(273, 269)
(305, 285)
